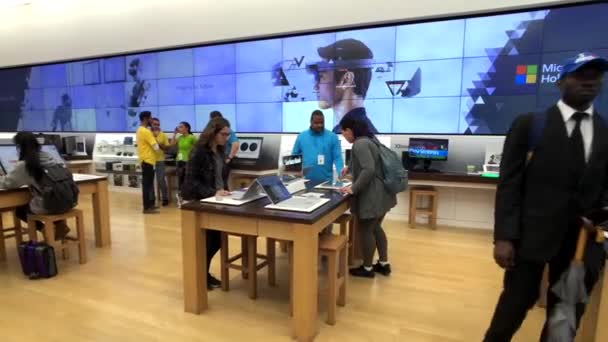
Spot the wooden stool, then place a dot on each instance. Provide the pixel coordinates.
(430, 212)
(346, 221)
(6, 233)
(49, 232)
(333, 247)
(249, 262)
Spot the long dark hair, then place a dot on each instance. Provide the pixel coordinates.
(187, 125)
(213, 128)
(29, 152)
(359, 127)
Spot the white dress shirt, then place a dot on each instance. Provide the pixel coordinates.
(586, 125)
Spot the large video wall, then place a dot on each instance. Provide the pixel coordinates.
(464, 76)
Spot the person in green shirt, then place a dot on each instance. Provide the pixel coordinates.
(163, 143)
(185, 141)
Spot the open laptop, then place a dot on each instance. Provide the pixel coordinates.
(254, 192)
(9, 156)
(282, 200)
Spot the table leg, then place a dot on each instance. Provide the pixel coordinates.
(590, 330)
(305, 282)
(101, 215)
(194, 240)
(601, 333)
(2, 243)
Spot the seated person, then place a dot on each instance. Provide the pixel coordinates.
(29, 171)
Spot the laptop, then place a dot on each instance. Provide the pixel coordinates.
(293, 163)
(237, 198)
(253, 191)
(282, 200)
(9, 156)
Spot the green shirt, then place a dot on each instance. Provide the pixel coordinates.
(185, 143)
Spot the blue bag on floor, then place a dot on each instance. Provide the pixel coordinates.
(37, 260)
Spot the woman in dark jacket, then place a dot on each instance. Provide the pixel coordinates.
(204, 179)
(371, 201)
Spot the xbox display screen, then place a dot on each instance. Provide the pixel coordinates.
(454, 76)
(430, 149)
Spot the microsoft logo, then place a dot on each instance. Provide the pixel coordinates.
(526, 74)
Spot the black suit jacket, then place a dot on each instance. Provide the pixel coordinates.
(537, 202)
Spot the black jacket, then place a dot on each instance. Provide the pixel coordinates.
(537, 203)
(199, 182)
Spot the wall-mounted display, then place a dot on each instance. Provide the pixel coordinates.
(458, 76)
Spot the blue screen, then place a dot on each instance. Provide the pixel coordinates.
(434, 149)
(455, 76)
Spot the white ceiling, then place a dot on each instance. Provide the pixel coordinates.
(53, 30)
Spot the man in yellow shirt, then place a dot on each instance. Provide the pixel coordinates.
(146, 153)
(163, 143)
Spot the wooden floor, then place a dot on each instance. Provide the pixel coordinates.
(443, 288)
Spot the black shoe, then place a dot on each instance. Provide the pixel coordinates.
(212, 282)
(384, 270)
(362, 272)
(151, 211)
(165, 203)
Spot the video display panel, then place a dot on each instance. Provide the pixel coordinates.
(455, 76)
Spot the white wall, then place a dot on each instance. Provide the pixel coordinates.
(53, 30)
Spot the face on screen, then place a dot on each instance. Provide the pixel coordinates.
(325, 89)
(471, 75)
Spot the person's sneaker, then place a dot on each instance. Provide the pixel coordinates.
(179, 200)
(151, 211)
(362, 272)
(384, 270)
(165, 203)
(213, 283)
(61, 231)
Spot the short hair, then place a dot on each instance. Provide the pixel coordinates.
(145, 114)
(215, 114)
(316, 112)
(155, 119)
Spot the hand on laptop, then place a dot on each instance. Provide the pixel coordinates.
(347, 190)
(222, 193)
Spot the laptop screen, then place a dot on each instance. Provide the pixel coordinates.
(274, 188)
(293, 163)
(9, 156)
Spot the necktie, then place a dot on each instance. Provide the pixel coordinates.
(577, 148)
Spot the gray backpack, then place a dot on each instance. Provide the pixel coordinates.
(58, 190)
(394, 175)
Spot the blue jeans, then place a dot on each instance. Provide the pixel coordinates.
(161, 181)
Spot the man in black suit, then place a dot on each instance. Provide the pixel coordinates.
(545, 190)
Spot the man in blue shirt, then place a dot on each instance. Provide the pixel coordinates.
(320, 150)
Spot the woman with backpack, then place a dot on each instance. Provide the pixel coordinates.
(29, 170)
(370, 199)
(204, 178)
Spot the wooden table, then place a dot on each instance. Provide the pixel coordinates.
(88, 185)
(253, 219)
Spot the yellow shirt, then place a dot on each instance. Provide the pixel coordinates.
(145, 140)
(162, 141)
